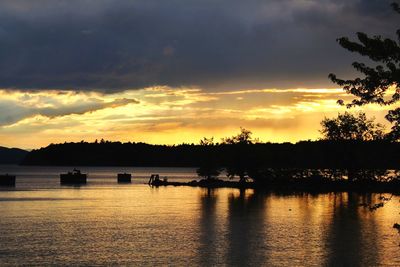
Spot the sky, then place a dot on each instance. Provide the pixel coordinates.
(168, 72)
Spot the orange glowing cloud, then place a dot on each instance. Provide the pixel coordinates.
(166, 115)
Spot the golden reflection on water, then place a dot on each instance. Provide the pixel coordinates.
(140, 225)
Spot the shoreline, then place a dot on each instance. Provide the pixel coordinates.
(293, 186)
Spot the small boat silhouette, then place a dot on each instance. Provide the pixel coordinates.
(124, 177)
(7, 180)
(154, 179)
(74, 177)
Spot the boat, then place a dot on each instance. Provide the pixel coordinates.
(156, 181)
(7, 180)
(124, 177)
(74, 177)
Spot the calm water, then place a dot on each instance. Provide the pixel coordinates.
(104, 223)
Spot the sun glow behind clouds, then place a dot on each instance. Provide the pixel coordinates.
(164, 115)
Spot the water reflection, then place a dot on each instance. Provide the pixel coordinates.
(246, 233)
(352, 236)
(208, 228)
(329, 230)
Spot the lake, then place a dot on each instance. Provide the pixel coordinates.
(106, 223)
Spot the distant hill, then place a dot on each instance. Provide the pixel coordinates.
(12, 155)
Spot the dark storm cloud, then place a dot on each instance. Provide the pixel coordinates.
(111, 45)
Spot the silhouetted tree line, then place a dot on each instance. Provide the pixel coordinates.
(240, 156)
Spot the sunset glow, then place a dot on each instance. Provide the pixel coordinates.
(166, 115)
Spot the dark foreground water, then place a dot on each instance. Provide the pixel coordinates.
(105, 223)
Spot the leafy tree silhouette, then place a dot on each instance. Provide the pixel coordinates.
(243, 138)
(381, 84)
(351, 127)
(209, 167)
(239, 161)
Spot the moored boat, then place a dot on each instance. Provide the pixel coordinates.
(7, 180)
(156, 181)
(74, 177)
(124, 177)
